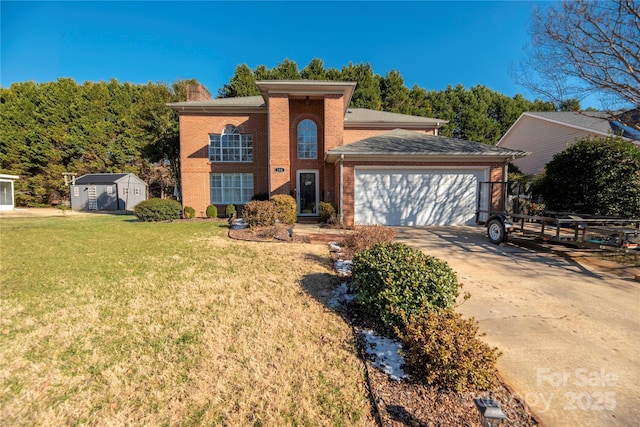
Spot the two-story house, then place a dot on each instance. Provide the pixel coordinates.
(301, 138)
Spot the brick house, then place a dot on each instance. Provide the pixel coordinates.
(301, 138)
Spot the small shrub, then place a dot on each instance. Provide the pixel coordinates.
(286, 207)
(188, 212)
(392, 279)
(365, 236)
(230, 210)
(260, 213)
(212, 211)
(440, 347)
(326, 211)
(158, 210)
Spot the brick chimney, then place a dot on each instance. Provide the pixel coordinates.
(197, 93)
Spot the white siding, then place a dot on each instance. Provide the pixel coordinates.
(541, 138)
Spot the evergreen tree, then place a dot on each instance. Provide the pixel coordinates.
(395, 95)
(314, 70)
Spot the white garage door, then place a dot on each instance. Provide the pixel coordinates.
(416, 197)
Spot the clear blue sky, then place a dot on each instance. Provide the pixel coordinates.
(432, 44)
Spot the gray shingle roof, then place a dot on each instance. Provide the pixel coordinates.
(100, 178)
(241, 101)
(400, 142)
(364, 116)
(593, 120)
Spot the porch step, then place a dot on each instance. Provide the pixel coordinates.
(308, 219)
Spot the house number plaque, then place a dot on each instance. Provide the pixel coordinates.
(280, 170)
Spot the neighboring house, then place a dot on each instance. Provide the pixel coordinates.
(7, 193)
(544, 134)
(107, 192)
(300, 138)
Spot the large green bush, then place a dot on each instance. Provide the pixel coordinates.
(259, 213)
(158, 210)
(392, 279)
(440, 347)
(598, 176)
(286, 207)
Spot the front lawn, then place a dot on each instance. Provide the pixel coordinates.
(106, 320)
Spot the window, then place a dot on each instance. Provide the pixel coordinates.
(76, 191)
(231, 188)
(136, 191)
(307, 140)
(109, 190)
(230, 146)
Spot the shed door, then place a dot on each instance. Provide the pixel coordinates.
(416, 197)
(92, 194)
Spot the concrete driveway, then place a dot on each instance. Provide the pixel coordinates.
(569, 330)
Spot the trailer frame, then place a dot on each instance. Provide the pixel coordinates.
(577, 230)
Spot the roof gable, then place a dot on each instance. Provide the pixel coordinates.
(108, 178)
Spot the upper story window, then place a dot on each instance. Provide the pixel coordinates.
(230, 146)
(307, 140)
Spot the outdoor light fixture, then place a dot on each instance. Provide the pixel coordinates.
(307, 101)
(490, 413)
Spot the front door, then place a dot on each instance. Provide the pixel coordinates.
(307, 193)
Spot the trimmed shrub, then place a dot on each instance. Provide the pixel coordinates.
(392, 279)
(188, 212)
(212, 211)
(260, 213)
(327, 211)
(440, 347)
(365, 236)
(594, 176)
(158, 210)
(230, 210)
(286, 207)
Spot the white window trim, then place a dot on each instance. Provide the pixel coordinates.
(226, 194)
(306, 143)
(230, 150)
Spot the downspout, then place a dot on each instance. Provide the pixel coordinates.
(269, 151)
(341, 191)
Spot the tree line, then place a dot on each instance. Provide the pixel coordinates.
(51, 128)
(476, 114)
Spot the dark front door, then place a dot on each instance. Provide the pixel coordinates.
(307, 193)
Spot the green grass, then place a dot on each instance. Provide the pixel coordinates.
(107, 320)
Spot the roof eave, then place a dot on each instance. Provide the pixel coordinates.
(394, 125)
(185, 109)
(426, 157)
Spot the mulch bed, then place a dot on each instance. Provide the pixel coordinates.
(408, 403)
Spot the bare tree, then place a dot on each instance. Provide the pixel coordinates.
(582, 47)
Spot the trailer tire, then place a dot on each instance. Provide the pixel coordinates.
(496, 231)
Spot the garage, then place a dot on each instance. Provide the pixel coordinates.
(393, 196)
(409, 178)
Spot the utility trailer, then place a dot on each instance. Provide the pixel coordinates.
(517, 213)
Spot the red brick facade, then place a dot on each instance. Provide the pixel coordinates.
(273, 126)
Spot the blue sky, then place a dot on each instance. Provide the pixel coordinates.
(432, 44)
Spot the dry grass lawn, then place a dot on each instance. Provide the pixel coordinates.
(109, 321)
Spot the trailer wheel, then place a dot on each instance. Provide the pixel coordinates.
(495, 231)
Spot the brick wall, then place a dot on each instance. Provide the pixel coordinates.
(280, 156)
(197, 93)
(356, 134)
(194, 155)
